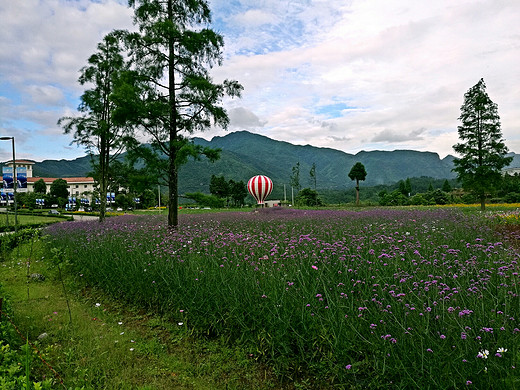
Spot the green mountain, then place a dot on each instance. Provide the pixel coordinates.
(245, 154)
(79, 167)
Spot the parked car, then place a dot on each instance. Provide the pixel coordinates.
(53, 212)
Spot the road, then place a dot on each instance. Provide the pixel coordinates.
(79, 217)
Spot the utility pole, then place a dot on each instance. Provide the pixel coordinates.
(15, 183)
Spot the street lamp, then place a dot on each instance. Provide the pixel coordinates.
(15, 183)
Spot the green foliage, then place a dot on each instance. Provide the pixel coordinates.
(394, 198)
(308, 197)
(173, 44)
(512, 197)
(446, 187)
(418, 200)
(148, 198)
(40, 187)
(312, 175)
(405, 186)
(61, 201)
(10, 241)
(124, 174)
(482, 149)
(238, 191)
(204, 200)
(219, 187)
(98, 129)
(226, 190)
(123, 201)
(358, 172)
(15, 357)
(438, 197)
(295, 177)
(28, 200)
(30, 222)
(509, 189)
(59, 189)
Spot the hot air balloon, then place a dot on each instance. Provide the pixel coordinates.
(260, 187)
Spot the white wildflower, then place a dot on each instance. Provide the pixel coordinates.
(483, 354)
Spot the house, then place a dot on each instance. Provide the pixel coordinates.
(27, 164)
(77, 186)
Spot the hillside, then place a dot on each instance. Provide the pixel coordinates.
(79, 167)
(245, 154)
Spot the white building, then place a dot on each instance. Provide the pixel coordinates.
(77, 186)
(511, 171)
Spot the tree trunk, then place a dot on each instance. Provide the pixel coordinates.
(103, 196)
(480, 159)
(173, 176)
(173, 219)
(357, 192)
(104, 158)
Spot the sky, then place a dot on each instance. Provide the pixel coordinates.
(350, 75)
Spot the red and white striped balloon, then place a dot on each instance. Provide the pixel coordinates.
(260, 187)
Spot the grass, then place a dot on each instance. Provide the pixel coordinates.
(352, 299)
(112, 345)
(27, 220)
(378, 298)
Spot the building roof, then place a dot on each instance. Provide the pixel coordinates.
(78, 179)
(21, 162)
(67, 179)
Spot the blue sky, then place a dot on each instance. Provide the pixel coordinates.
(351, 75)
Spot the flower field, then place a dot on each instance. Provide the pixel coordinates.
(379, 298)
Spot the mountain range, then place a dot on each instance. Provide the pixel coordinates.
(245, 154)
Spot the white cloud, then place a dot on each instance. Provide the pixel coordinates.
(400, 65)
(50, 40)
(389, 135)
(43, 45)
(254, 18)
(242, 119)
(396, 70)
(46, 94)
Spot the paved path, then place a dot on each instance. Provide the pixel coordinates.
(79, 217)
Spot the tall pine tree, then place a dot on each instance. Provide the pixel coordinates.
(172, 54)
(482, 149)
(96, 129)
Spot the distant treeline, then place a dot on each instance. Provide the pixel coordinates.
(422, 190)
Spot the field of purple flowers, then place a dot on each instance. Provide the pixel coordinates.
(370, 299)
